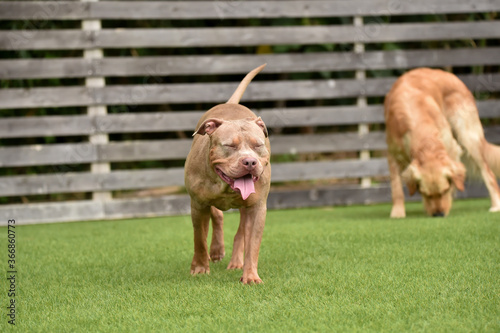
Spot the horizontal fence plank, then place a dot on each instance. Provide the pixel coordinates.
(60, 155)
(78, 153)
(156, 67)
(245, 36)
(325, 143)
(70, 182)
(340, 169)
(25, 127)
(213, 92)
(351, 195)
(69, 211)
(189, 93)
(82, 153)
(44, 10)
(17, 127)
(73, 211)
(177, 10)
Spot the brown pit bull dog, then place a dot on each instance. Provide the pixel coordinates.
(228, 167)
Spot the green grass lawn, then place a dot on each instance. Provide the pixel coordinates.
(326, 270)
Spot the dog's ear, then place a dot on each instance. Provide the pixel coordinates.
(456, 175)
(209, 126)
(411, 176)
(261, 124)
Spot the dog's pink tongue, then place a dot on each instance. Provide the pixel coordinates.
(245, 185)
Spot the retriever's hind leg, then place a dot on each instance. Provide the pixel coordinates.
(469, 133)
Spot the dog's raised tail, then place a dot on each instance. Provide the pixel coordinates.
(235, 98)
(492, 157)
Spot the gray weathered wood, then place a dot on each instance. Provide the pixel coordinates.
(213, 92)
(180, 204)
(42, 11)
(175, 10)
(189, 93)
(53, 212)
(95, 210)
(329, 169)
(56, 154)
(350, 195)
(156, 67)
(72, 182)
(81, 153)
(69, 182)
(323, 143)
(24, 127)
(234, 37)
(148, 207)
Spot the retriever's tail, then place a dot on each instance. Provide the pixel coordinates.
(235, 98)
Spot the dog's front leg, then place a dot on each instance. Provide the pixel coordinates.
(201, 219)
(238, 246)
(254, 218)
(398, 196)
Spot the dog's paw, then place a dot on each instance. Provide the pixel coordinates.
(398, 212)
(250, 279)
(200, 270)
(494, 209)
(217, 255)
(235, 265)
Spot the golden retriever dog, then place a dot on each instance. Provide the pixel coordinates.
(432, 123)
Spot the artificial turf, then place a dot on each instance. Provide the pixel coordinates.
(326, 270)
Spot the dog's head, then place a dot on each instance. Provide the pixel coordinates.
(436, 182)
(239, 151)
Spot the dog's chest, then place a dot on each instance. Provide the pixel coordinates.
(227, 200)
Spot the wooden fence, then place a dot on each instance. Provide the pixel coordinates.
(284, 103)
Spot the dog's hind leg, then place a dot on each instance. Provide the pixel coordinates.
(490, 160)
(217, 252)
(469, 133)
(398, 196)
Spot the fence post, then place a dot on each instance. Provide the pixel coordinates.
(96, 82)
(361, 102)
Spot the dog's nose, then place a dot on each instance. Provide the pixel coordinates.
(438, 214)
(249, 162)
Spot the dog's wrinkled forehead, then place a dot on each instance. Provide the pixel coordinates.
(248, 125)
(233, 129)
